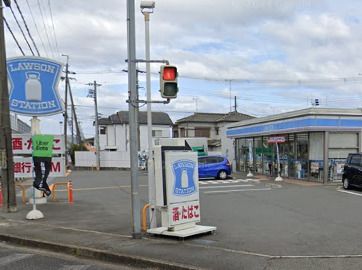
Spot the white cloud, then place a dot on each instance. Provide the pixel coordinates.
(279, 53)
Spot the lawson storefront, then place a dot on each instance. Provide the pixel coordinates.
(313, 143)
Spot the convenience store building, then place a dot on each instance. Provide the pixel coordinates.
(311, 138)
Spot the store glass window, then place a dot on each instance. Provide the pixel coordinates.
(258, 154)
(268, 157)
(301, 157)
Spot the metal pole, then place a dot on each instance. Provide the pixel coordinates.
(98, 163)
(6, 152)
(132, 106)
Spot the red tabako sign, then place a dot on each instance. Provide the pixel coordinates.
(279, 139)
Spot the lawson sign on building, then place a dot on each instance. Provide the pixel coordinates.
(33, 83)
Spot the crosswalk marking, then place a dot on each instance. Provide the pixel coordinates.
(231, 186)
(232, 181)
(13, 258)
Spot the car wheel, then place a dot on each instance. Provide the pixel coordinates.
(346, 184)
(222, 175)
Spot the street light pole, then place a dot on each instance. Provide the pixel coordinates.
(146, 11)
(6, 152)
(132, 107)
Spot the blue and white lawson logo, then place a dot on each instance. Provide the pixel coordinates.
(33, 83)
(184, 182)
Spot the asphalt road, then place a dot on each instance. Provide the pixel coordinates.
(19, 258)
(282, 225)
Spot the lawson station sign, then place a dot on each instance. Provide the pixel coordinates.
(33, 83)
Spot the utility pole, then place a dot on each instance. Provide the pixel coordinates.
(235, 106)
(138, 107)
(6, 152)
(132, 107)
(93, 93)
(66, 109)
(75, 117)
(230, 94)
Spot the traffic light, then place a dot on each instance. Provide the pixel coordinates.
(168, 81)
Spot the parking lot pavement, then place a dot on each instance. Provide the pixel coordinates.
(285, 224)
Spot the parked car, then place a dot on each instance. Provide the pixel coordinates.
(352, 173)
(214, 166)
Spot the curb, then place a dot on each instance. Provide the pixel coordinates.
(100, 255)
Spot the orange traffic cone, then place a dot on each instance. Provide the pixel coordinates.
(70, 191)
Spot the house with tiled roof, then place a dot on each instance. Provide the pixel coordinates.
(114, 130)
(207, 125)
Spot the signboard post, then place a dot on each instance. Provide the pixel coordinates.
(33, 83)
(177, 193)
(276, 140)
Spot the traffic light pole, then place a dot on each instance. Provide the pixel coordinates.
(6, 152)
(132, 107)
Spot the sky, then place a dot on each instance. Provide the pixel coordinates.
(272, 55)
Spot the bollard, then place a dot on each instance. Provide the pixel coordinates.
(144, 217)
(70, 191)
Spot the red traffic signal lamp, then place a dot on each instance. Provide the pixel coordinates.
(168, 81)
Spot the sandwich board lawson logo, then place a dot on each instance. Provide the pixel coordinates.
(33, 83)
(184, 182)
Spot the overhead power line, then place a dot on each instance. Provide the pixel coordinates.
(45, 28)
(21, 29)
(54, 33)
(26, 26)
(37, 29)
(11, 32)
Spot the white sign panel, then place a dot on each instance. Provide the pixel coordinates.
(279, 139)
(23, 167)
(182, 183)
(186, 212)
(22, 144)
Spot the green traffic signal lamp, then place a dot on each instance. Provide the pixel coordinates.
(168, 81)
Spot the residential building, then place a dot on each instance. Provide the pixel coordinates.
(114, 139)
(208, 125)
(18, 126)
(114, 130)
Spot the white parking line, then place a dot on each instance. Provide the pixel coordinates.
(236, 190)
(349, 192)
(229, 186)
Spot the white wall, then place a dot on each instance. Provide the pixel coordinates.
(227, 145)
(117, 138)
(114, 159)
